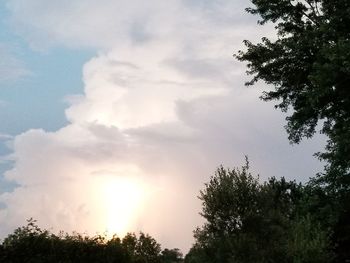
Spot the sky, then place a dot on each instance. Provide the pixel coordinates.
(115, 113)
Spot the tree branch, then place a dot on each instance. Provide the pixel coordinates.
(303, 12)
(312, 7)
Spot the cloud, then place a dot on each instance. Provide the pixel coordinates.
(163, 106)
(90, 23)
(106, 24)
(5, 146)
(11, 68)
(4, 136)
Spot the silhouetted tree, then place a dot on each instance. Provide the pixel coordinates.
(247, 221)
(32, 244)
(171, 256)
(308, 66)
(147, 249)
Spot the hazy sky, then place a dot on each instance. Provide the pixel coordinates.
(114, 113)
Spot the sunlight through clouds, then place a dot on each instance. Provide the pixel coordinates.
(163, 105)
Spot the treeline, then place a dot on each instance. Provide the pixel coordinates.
(31, 244)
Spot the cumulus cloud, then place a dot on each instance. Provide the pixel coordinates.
(163, 106)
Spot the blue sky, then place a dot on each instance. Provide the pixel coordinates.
(114, 114)
(36, 99)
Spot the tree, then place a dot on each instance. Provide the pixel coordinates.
(142, 249)
(309, 67)
(25, 244)
(228, 199)
(147, 249)
(308, 242)
(229, 205)
(248, 221)
(129, 243)
(171, 256)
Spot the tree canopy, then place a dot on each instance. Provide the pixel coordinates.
(308, 64)
(309, 67)
(248, 221)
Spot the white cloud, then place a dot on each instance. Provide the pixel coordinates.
(163, 105)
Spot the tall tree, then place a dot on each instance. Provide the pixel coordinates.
(309, 67)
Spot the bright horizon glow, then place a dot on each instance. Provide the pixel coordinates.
(121, 199)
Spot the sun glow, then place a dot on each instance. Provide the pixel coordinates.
(121, 198)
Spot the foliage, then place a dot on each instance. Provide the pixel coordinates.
(309, 67)
(171, 255)
(143, 249)
(32, 244)
(249, 221)
(308, 241)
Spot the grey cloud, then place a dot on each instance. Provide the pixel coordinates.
(237, 125)
(4, 136)
(218, 70)
(165, 132)
(118, 63)
(139, 32)
(101, 144)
